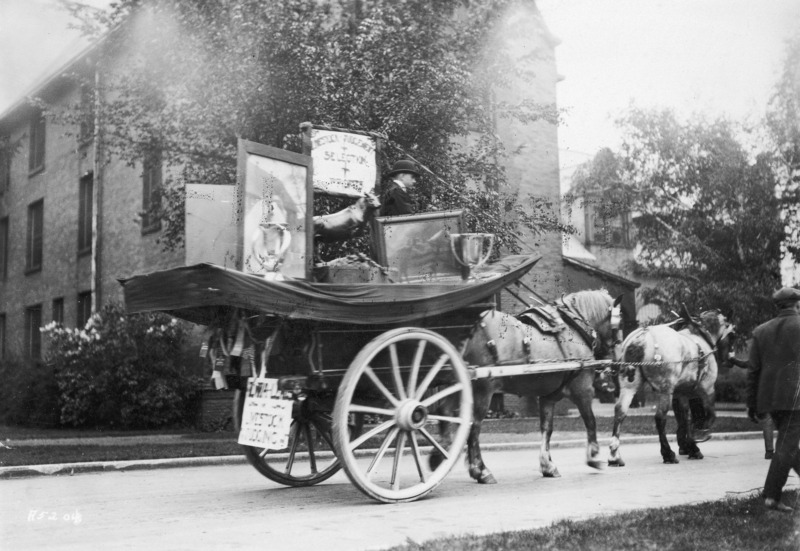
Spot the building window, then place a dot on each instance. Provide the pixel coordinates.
(33, 333)
(84, 308)
(58, 310)
(2, 336)
(151, 194)
(85, 212)
(3, 248)
(33, 251)
(37, 143)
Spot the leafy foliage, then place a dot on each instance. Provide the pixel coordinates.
(783, 123)
(121, 371)
(199, 75)
(29, 394)
(707, 216)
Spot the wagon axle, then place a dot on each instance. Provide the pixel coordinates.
(411, 415)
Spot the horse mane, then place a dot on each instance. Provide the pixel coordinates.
(592, 305)
(711, 322)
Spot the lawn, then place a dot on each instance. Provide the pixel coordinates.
(733, 524)
(203, 444)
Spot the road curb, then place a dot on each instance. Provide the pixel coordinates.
(70, 469)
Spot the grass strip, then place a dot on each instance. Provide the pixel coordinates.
(224, 443)
(736, 523)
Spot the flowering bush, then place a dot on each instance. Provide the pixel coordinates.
(121, 370)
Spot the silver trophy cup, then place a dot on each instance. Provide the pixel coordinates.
(471, 250)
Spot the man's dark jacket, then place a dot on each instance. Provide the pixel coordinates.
(396, 201)
(774, 377)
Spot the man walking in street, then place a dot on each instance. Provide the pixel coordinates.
(773, 387)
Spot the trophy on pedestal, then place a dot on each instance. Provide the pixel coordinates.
(269, 245)
(471, 250)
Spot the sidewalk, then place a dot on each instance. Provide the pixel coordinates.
(489, 441)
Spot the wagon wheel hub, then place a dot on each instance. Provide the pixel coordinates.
(411, 415)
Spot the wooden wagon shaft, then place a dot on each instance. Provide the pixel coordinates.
(532, 368)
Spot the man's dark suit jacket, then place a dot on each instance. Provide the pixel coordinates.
(774, 377)
(396, 200)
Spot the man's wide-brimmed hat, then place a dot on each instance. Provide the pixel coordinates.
(404, 165)
(786, 294)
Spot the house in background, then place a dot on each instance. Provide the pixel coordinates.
(71, 222)
(605, 241)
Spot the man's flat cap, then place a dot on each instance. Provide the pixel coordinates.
(786, 294)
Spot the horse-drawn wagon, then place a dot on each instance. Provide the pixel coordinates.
(383, 368)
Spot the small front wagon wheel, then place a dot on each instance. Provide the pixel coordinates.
(405, 382)
(309, 457)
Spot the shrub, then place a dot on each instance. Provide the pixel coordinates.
(29, 394)
(122, 371)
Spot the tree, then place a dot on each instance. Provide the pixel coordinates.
(783, 123)
(200, 75)
(706, 214)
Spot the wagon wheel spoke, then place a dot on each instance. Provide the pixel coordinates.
(312, 456)
(412, 378)
(382, 450)
(295, 443)
(377, 382)
(434, 443)
(445, 418)
(292, 438)
(374, 432)
(417, 459)
(426, 382)
(398, 453)
(324, 432)
(356, 408)
(398, 379)
(442, 394)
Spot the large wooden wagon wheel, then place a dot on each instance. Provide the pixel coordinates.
(309, 458)
(405, 381)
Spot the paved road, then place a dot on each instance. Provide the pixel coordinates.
(233, 507)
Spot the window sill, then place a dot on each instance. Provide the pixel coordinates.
(34, 171)
(34, 270)
(86, 251)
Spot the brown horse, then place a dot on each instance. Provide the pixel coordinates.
(500, 338)
(682, 362)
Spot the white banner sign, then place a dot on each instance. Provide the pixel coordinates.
(267, 416)
(344, 163)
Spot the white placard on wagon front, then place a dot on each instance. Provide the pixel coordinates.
(266, 417)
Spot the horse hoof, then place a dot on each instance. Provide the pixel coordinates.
(683, 451)
(616, 463)
(696, 455)
(487, 478)
(702, 436)
(434, 460)
(671, 460)
(551, 474)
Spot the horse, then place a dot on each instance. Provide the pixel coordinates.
(680, 361)
(582, 325)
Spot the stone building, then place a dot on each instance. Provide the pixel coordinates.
(70, 217)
